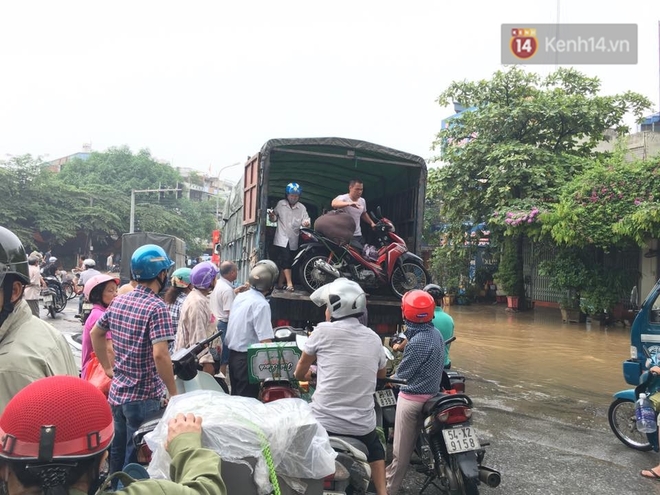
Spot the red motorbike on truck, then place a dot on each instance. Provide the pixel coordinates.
(322, 260)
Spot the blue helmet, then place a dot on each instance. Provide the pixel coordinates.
(293, 188)
(148, 261)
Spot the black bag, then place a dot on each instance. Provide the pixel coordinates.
(336, 225)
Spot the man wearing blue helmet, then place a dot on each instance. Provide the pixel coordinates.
(290, 216)
(142, 329)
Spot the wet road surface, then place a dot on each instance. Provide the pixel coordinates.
(541, 391)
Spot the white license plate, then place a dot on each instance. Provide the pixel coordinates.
(48, 300)
(385, 398)
(87, 306)
(461, 439)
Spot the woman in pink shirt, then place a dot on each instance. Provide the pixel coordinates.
(99, 290)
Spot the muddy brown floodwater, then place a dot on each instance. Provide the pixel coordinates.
(561, 369)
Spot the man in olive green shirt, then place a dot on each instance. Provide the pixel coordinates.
(29, 347)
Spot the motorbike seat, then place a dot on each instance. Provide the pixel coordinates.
(441, 398)
(350, 444)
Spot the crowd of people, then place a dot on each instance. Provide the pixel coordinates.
(131, 333)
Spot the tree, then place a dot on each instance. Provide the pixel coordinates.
(522, 138)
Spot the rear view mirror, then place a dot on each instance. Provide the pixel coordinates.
(634, 298)
(379, 212)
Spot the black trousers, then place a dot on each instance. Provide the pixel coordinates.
(238, 376)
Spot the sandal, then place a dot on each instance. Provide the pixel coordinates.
(653, 476)
(290, 288)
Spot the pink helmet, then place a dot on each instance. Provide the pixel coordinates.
(95, 281)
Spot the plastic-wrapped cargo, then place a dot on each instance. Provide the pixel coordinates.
(240, 428)
(336, 225)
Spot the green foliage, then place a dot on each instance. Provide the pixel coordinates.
(614, 203)
(509, 272)
(92, 198)
(528, 136)
(450, 267)
(603, 290)
(570, 271)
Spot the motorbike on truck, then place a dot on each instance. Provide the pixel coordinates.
(644, 354)
(322, 260)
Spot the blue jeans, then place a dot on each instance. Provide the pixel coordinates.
(127, 419)
(222, 327)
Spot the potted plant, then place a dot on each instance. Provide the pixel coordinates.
(603, 293)
(449, 267)
(509, 274)
(569, 271)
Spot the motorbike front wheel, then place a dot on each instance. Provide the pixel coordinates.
(621, 417)
(408, 276)
(312, 277)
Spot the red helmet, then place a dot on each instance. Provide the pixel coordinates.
(56, 418)
(417, 306)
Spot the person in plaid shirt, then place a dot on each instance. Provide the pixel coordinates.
(141, 327)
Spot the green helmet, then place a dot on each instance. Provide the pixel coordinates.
(13, 259)
(181, 278)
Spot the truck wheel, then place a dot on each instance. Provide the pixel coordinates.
(408, 276)
(311, 277)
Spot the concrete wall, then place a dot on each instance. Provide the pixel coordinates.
(641, 145)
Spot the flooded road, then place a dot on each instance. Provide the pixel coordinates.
(564, 369)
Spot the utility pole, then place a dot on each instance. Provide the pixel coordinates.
(131, 227)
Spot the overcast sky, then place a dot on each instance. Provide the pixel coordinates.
(206, 83)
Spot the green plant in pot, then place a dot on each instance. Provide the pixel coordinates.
(606, 285)
(509, 272)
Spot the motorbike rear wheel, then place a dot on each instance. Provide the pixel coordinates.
(621, 416)
(311, 277)
(60, 301)
(408, 276)
(51, 311)
(466, 486)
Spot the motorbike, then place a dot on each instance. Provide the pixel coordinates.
(321, 260)
(621, 413)
(283, 387)
(59, 297)
(48, 300)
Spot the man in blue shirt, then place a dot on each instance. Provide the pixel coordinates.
(249, 323)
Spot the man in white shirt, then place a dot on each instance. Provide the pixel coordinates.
(346, 352)
(89, 271)
(222, 298)
(250, 323)
(290, 216)
(109, 262)
(354, 204)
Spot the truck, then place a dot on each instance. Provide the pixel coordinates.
(173, 246)
(393, 180)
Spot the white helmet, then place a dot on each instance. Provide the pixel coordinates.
(343, 297)
(89, 263)
(52, 259)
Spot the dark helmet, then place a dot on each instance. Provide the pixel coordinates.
(13, 259)
(436, 292)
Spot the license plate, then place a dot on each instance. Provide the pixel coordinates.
(461, 439)
(48, 300)
(87, 306)
(385, 398)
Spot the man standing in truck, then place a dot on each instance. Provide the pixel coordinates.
(354, 204)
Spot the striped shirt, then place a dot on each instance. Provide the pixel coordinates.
(137, 319)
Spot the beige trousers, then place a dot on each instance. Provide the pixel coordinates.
(406, 428)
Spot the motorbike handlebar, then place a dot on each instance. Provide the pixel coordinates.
(397, 381)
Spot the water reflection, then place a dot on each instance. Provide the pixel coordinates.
(534, 352)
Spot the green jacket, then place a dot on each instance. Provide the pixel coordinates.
(194, 471)
(445, 325)
(30, 349)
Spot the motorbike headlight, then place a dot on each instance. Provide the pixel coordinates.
(633, 352)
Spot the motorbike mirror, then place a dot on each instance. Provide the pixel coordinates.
(388, 354)
(634, 297)
(283, 334)
(379, 212)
